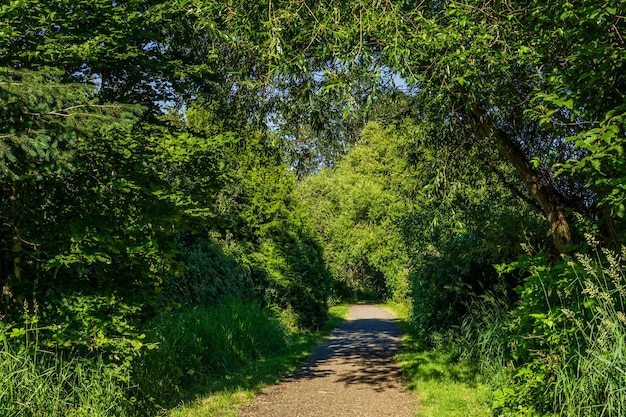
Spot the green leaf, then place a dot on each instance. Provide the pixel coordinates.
(17, 332)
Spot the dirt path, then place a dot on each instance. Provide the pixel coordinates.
(352, 374)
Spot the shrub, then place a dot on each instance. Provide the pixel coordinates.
(211, 272)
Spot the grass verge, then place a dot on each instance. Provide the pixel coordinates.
(445, 387)
(226, 396)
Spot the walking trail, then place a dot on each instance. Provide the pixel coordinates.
(352, 374)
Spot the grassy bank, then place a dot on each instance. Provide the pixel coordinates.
(445, 386)
(212, 360)
(47, 385)
(227, 395)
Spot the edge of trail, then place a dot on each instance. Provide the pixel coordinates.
(352, 374)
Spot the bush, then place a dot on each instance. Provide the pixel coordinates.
(448, 283)
(211, 272)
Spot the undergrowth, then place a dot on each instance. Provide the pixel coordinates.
(560, 350)
(200, 345)
(213, 351)
(48, 385)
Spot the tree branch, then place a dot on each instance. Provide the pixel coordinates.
(508, 184)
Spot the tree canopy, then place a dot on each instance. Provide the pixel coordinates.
(458, 157)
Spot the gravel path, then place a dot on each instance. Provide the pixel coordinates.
(352, 374)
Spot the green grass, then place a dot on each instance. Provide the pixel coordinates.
(200, 346)
(216, 371)
(213, 358)
(445, 388)
(48, 385)
(227, 395)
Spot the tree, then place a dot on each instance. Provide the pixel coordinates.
(506, 74)
(91, 193)
(276, 240)
(358, 208)
(421, 223)
(494, 67)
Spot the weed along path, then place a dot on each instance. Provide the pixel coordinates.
(352, 374)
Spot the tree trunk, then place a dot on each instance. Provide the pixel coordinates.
(543, 192)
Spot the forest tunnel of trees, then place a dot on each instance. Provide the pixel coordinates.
(244, 165)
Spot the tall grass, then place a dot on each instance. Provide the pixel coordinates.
(591, 379)
(48, 385)
(569, 359)
(193, 350)
(197, 347)
(483, 339)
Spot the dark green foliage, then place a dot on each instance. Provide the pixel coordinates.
(138, 175)
(102, 203)
(445, 283)
(459, 268)
(76, 209)
(273, 238)
(210, 275)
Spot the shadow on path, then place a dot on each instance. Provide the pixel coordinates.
(353, 374)
(366, 345)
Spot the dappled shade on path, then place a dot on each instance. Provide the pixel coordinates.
(352, 374)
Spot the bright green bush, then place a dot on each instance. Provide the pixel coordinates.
(357, 208)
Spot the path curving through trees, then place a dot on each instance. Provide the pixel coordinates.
(352, 374)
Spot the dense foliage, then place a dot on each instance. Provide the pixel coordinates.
(150, 158)
(358, 208)
(501, 89)
(135, 182)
